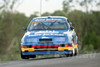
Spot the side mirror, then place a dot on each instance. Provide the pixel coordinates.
(71, 28)
(24, 28)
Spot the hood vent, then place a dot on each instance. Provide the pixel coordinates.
(45, 39)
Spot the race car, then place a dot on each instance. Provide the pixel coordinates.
(49, 35)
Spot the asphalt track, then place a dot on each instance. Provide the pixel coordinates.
(84, 60)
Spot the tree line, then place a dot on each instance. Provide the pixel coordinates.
(86, 24)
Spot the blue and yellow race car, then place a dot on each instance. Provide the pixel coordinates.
(49, 35)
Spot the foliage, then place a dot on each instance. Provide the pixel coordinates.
(91, 39)
(88, 4)
(87, 26)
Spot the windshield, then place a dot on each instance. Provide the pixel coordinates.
(48, 26)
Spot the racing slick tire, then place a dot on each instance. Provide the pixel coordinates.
(76, 52)
(24, 57)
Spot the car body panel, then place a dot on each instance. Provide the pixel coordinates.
(43, 38)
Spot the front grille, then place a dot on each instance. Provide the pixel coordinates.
(46, 50)
(45, 39)
(44, 47)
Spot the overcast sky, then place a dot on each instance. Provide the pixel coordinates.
(28, 7)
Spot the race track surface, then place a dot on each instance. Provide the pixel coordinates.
(84, 60)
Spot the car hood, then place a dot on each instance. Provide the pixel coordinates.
(45, 33)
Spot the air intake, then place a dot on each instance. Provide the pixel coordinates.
(45, 39)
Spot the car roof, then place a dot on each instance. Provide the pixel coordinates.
(51, 17)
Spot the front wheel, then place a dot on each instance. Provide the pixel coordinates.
(24, 57)
(32, 56)
(69, 55)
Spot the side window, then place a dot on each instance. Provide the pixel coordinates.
(74, 39)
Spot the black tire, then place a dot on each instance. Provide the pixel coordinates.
(24, 56)
(67, 55)
(32, 56)
(70, 55)
(75, 52)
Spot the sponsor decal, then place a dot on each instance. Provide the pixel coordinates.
(52, 19)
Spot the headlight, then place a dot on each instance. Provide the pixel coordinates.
(59, 39)
(31, 40)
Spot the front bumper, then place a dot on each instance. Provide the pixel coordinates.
(46, 49)
(42, 51)
(46, 52)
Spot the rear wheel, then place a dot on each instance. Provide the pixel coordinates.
(73, 52)
(76, 52)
